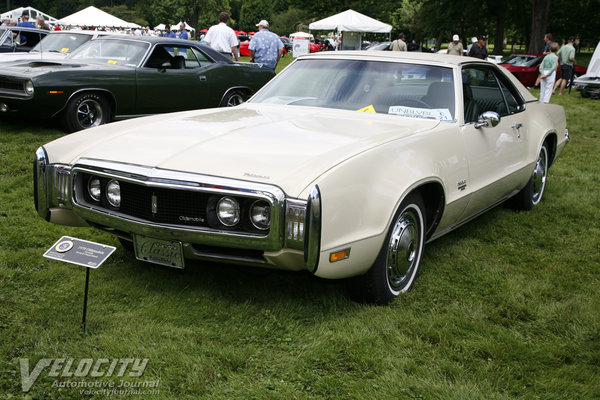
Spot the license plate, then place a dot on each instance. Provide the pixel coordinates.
(159, 251)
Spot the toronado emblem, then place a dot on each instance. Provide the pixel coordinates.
(462, 184)
(154, 204)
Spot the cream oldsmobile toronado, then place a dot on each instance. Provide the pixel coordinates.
(344, 165)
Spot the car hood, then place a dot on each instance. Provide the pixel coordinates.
(32, 56)
(29, 68)
(287, 146)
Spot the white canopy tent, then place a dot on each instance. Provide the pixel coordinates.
(353, 23)
(15, 15)
(174, 27)
(301, 35)
(93, 16)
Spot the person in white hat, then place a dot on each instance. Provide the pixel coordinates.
(473, 41)
(455, 47)
(265, 47)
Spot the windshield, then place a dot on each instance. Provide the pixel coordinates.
(111, 52)
(520, 60)
(409, 90)
(61, 42)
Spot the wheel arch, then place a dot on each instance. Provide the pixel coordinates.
(107, 93)
(245, 89)
(432, 193)
(551, 140)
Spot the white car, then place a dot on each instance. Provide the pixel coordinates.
(345, 164)
(56, 45)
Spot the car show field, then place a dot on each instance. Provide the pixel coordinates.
(505, 306)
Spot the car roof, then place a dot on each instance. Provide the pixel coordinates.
(24, 29)
(409, 56)
(153, 40)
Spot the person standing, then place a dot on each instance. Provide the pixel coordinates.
(399, 44)
(25, 22)
(265, 47)
(168, 32)
(42, 23)
(473, 41)
(478, 50)
(455, 47)
(182, 32)
(548, 40)
(222, 38)
(548, 73)
(566, 57)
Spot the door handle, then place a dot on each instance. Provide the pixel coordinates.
(517, 127)
(202, 77)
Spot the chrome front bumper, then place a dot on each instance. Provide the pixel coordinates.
(295, 223)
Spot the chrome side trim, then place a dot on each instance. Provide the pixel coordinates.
(155, 177)
(567, 136)
(312, 241)
(40, 183)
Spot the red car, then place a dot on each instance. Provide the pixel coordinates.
(526, 68)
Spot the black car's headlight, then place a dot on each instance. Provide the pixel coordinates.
(29, 89)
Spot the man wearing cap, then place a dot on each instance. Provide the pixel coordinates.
(399, 44)
(478, 50)
(265, 47)
(222, 38)
(455, 47)
(473, 41)
(566, 57)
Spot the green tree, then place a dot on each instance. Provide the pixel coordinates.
(254, 11)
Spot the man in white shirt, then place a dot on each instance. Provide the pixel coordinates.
(222, 38)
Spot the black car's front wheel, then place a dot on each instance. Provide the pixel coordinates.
(399, 259)
(86, 110)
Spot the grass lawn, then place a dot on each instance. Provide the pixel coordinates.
(508, 306)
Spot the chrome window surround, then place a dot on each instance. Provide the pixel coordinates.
(52, 184)
(153, 177)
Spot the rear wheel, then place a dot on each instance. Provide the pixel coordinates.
(234, 98)
(86, 110)
(399, 259)
(532, 193)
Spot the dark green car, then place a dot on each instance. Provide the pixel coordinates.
(118, 77)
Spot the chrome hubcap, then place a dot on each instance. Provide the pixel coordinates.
(403, 249)
(539, 176)
(89, 113)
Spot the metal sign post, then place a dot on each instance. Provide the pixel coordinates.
(80, 252)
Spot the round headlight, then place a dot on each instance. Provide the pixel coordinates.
(29, 87)
(94, 188)
(260, 214)
(228, 211)
(113, 193)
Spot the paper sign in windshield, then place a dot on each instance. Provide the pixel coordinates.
(440, 114)
(370, 109)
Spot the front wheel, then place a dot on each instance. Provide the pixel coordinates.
(399, 259)
(532, 193)
(234, 98)
(86, 110)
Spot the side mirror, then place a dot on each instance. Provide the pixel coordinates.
(488, 119)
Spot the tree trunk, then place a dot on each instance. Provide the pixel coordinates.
(539, 19)
(499, 37)
(438, 42)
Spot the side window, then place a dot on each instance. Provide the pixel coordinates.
(483, 91)
(202, 58)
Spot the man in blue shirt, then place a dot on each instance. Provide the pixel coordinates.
(168, 32)
(182, 32)
(25, 22)
(265, 47)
